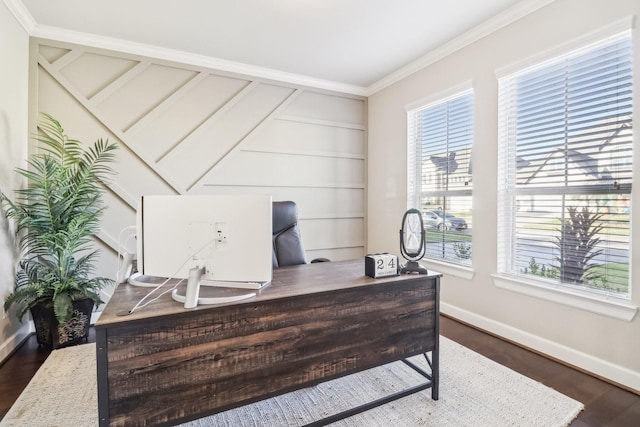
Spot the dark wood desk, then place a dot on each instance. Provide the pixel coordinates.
(164, 364)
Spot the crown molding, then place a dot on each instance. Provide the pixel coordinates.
(21, 14)
(25, 19)
(499, 21)
(125, 46)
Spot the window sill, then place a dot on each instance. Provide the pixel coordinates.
(449, 269)
(609, 306)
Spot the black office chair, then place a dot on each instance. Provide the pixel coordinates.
(287, 241)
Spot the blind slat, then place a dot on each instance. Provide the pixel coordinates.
(565, 169)
(440, 174)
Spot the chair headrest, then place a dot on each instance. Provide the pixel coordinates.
(285, 215)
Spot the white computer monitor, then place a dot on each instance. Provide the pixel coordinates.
(226, 237)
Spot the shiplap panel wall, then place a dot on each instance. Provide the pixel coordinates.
(188, 130)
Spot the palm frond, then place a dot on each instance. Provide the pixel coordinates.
(56, 143)
(62, 307)
(57, 215)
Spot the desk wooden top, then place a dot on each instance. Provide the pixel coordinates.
(286, 282)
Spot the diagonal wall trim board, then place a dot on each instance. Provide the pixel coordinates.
(168, 131)
(199, 154)
(66, 59)
(184, 129)
(276, 110)
(117, 84)
(107, 239)
(121, 192)
(213, 117)
(162, 108)
(85, 102)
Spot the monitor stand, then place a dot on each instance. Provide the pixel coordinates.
(192, 298)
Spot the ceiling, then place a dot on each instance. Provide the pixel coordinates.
(351, 45)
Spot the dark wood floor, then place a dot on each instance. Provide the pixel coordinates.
(605, 404)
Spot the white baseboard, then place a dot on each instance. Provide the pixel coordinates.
(10, 344)
(599, 367)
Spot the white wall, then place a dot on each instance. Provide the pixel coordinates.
(600, 344)
(14, 55)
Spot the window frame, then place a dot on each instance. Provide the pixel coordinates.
(414, 192)
(604, 303)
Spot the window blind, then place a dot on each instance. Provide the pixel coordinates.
(565, 168)
(440, 182)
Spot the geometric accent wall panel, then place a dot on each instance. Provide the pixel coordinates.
(183, 129)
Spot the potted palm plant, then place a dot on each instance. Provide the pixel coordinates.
(56, 215)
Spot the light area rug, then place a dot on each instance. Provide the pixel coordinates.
(474, 391)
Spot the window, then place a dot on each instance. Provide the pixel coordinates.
(564, 179)
(440, 174)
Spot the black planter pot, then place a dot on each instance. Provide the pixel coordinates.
(54, 335)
